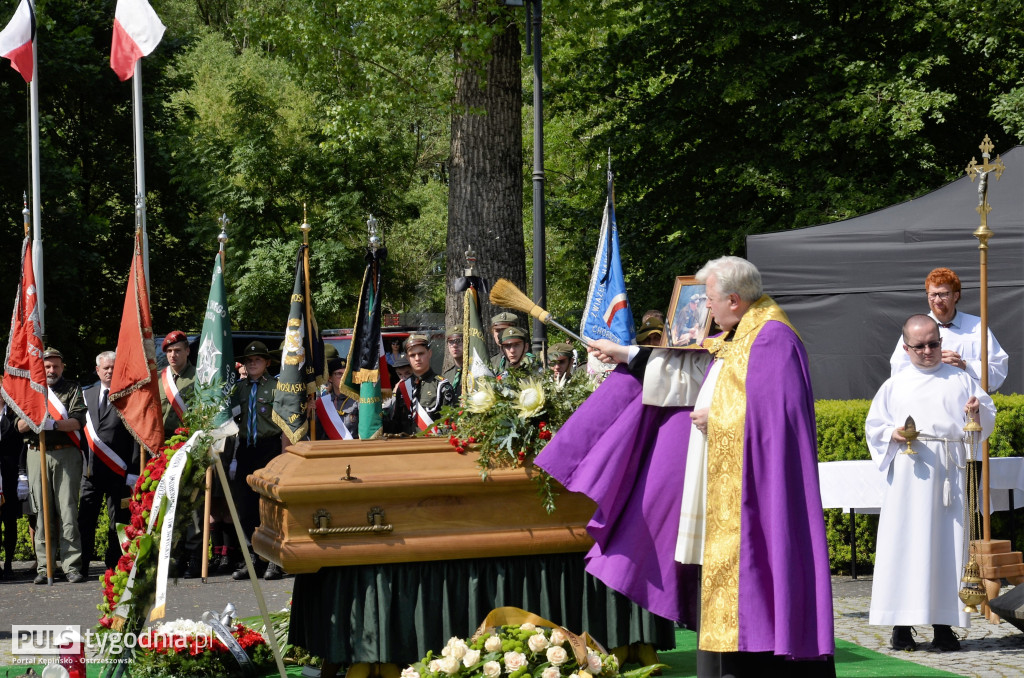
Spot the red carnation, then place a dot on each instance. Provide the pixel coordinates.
(106, 622)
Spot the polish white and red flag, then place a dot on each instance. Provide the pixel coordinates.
(137, 32)
(16, 39)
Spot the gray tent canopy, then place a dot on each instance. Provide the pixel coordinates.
(848, 286)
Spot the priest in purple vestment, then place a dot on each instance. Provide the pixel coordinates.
(751, 506)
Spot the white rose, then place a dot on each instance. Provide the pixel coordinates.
(492, 669)
(537, 642)
(410, 672)
(434, 666)
(458, 648)
(492, 644)
(558, 637)
(593, 664)
(514, 661)
(470, 658)
(528, 627)
(551, 672)
(450, 665)
(557, 656)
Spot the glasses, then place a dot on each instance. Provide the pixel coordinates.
(920, 347)
(939, 295)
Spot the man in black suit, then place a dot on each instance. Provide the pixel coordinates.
(111, 466)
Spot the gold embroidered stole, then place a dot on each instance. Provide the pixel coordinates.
(719, 623)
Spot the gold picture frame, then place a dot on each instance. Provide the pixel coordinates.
(688, 319)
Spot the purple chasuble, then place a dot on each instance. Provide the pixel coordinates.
(785, 588)
(629, 458)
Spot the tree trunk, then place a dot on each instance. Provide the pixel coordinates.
(485, 193)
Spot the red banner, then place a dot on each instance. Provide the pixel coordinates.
(24, 386)
(133, 389)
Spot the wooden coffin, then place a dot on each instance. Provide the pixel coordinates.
(357, 502)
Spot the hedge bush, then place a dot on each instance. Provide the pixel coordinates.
(841, 437)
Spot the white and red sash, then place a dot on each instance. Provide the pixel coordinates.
(423, 420)
(101, 449)
(58, 412)
(172, 394)
(330, 419)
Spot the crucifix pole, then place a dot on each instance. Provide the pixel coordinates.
(983, 233)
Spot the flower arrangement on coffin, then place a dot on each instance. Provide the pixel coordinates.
(519, 651)
(509, 419)
(189, 648)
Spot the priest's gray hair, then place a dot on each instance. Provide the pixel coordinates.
(106, 355)
(733, 275)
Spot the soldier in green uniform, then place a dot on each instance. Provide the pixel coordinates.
(560, 362)
(515, 355)
(176, 381)
(453, 338)
(650, 332)
(259, 441)
(499, 324)
(425, 387)
(63, 472)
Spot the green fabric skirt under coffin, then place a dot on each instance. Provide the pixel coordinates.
(397, 612)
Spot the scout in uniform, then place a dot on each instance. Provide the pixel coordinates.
(560, 362)
(514, 353)
(176, 381)
(453, 338)
(259, 441)
(499, 324)
(421, 397)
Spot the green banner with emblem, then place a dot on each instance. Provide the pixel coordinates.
(302, 359)
(215, 364)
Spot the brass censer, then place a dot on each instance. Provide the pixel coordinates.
(911, 433)
(972, 589)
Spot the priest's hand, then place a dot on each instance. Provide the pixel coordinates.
(953, 358)
(897, 435)
(700, 420)
(608, 351)
(972, 406)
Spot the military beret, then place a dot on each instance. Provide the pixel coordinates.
(513, 333)
(454, 331)
(559, 350)
(417, 340)
(401, 361)
(257, 349)
(504, 318)
(335, 364)
(173, 338)
(650, 326)
(51, 352)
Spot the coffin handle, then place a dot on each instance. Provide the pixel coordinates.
(374, 518)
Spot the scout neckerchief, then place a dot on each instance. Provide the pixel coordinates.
(330, 419)
(100, 449)
(58, 412)
(172, 394)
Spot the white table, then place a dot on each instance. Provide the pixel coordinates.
(859, 487)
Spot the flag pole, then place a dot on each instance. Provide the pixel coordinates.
(44, 486)
(37, 265)
(208, 499)
(140, 168)
(310, 397)
(37, 234)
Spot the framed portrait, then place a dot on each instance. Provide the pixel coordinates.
(688, 319)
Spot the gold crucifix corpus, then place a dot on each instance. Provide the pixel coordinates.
(982, 171)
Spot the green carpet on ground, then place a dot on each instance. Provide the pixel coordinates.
(852, 661)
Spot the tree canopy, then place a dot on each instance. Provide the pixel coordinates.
(723, 119)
